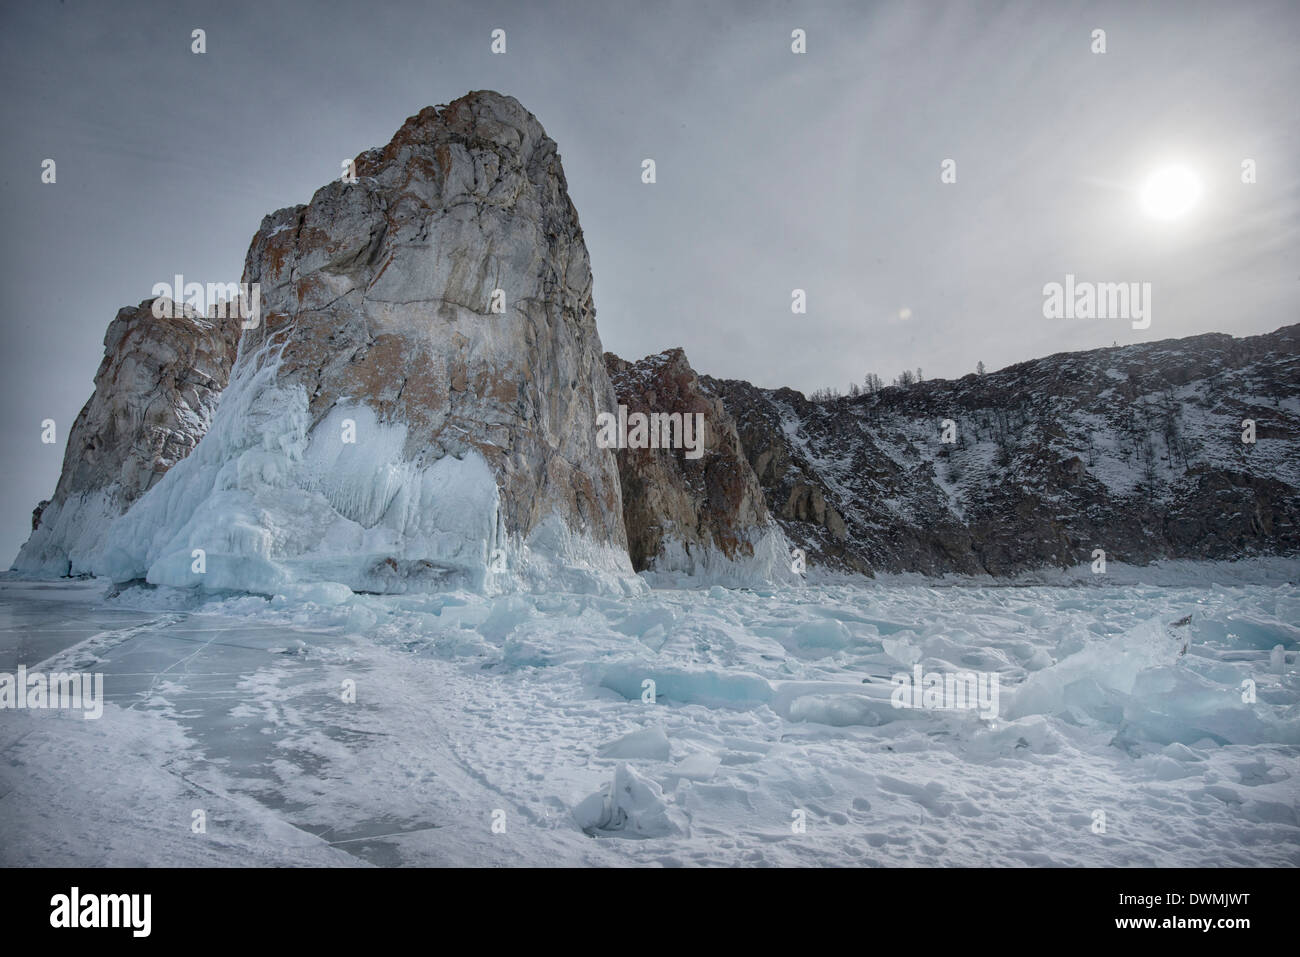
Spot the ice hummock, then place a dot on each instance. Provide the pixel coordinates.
(630, 805)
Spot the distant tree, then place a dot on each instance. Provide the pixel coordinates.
(906, 378)
(855, 389)
(919, 377)
(872, 384)
(1147, 456)
(979, 368)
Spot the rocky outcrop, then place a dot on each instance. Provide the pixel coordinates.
(835, 506)
(694, 510)
(1136, 451)
(155, 393)
(416, 407)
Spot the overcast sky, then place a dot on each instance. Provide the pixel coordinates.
(775, 171)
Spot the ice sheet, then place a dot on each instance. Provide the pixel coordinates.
(519, 729)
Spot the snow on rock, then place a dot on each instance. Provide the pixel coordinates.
(416, 408)
(155, 392)
(1136, 450)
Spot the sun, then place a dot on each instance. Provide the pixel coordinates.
(1170, 192)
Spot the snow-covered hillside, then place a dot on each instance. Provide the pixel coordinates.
(1137, 451)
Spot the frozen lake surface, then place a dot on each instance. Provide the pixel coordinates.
(513, 730)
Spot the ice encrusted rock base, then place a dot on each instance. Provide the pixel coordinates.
(155, 392)
(693, 516)
(763, 559)
(268, 505)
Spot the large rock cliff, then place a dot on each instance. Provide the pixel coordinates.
(416, 407)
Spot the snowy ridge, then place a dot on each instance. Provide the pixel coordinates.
(1137, 451)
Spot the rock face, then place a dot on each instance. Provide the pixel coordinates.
(1137, 451)
(699, 511)
(416, 408)
(155, 393)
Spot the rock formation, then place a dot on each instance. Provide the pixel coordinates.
(416, 407)
(699, 513)
(154, 397)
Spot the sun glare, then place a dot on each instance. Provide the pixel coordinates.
(1170, 192)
